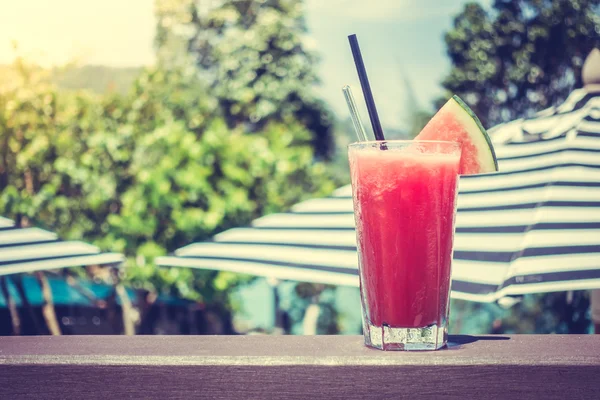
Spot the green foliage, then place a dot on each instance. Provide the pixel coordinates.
(253, 56)
(521, 56)
(543, 313)
(549, 313)
(147, 172)
(225, 129)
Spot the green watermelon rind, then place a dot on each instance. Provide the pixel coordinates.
(482, 130)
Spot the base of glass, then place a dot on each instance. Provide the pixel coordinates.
(432, 337)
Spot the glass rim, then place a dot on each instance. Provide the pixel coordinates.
(403, 141)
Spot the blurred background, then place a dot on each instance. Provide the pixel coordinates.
(143, 126)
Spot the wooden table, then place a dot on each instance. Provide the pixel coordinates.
(296, 367)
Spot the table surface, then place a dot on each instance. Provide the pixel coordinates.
(286, 350)
(296, 367)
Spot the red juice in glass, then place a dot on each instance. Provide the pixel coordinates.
(404, 206)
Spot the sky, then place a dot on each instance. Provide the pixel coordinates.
(398, 38)
(106, 32)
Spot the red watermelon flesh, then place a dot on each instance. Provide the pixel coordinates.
(456, 122)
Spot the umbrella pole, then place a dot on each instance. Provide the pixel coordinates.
(12, 307)
(595, 309)
(17, 280)
(147, 300)
(310, 322)
(48, 305)
(126, 308)
(277, 312)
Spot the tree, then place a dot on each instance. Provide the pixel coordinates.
(255, 60)
(521, 56)
(146, 173)
(508, 62)
(190, 149)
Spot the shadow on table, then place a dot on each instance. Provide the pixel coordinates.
(459, 340)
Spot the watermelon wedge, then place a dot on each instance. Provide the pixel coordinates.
(456, 122)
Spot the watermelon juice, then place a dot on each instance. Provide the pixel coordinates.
(405, 206)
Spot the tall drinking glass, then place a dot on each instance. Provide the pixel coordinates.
(405, 205)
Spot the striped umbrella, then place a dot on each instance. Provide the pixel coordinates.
(533, 227)
(34, 249)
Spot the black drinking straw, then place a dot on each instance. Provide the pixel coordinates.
(366, 88)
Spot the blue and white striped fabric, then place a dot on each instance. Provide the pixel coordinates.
(533, 227)
(34, 249)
